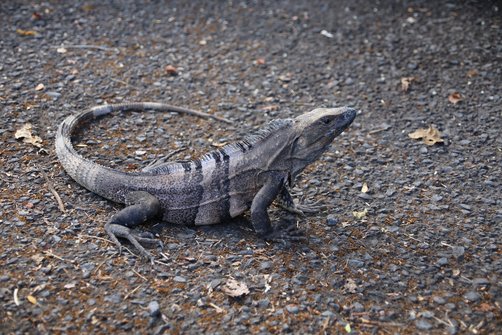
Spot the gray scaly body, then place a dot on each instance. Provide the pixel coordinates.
(223, 184)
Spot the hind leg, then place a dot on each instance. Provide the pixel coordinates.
(140, 207)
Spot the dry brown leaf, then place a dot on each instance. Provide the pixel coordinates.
(286, 78)
(472, 73)
(235, 288)
(484, 307)
(406, 82)
(430, 136)
(38, 258)
(455, 98)
(36, 16)
(218, 309)
(361, 214)
(270, 108)
(22, 32)
(25, 133)
(32, 299)
(350, 285)
(171, 70)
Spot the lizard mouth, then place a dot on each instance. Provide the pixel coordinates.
(342, 122)
(345, 120)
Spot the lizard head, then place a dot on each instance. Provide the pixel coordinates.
(314, 131)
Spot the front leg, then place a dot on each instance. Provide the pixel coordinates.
(259, 215)
(140, 207)
(286, 202)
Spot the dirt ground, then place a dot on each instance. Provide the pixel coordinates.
(408, 239)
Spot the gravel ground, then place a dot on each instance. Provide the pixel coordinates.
(419, 251)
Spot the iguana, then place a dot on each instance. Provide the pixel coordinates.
(222, 184)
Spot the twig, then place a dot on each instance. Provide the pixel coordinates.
(95, 237)
(139, 275)
(85, 46)
(160, 262)
(132, 292)
(100, 265)
(381, 324)
(217, 242)
(54, 192)
(164, 256)
(376, 131)
(51, 254)
(125, 83)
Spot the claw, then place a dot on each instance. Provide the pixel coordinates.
(115, 231)
(286, 233)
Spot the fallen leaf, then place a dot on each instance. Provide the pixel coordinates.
(270, 108)
(364, 189)
(32, 299)
(472, 73)
(286, 78)
(88, 7)
(484, 307)
(39, 87)
(218, 309)
(430, 135)
(25, 133)
(22, 32)
(36, 16)
(171, 70)
(361, 214)
(326, 34)
(235, 288)
(38, 258)
(406, 82)
(16, 297)
(350, 285)
(455, 98)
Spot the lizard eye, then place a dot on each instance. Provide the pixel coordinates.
(326, 120)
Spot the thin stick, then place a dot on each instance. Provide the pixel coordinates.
(85, 46)
(132, 292)
(54, 192)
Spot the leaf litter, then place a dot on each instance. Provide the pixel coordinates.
(25, 133)
(429, 136)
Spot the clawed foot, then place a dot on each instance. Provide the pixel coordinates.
(311, 208)
(300, 209)
(286, 232)
(137, 239)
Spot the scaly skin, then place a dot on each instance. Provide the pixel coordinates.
(223, 184)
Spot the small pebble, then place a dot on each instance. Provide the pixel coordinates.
(472, 296)
(439, 300)
(357, 307)
(423, 324)
(154, 309)
(293, 309)
(180, 279)
(332, 220)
